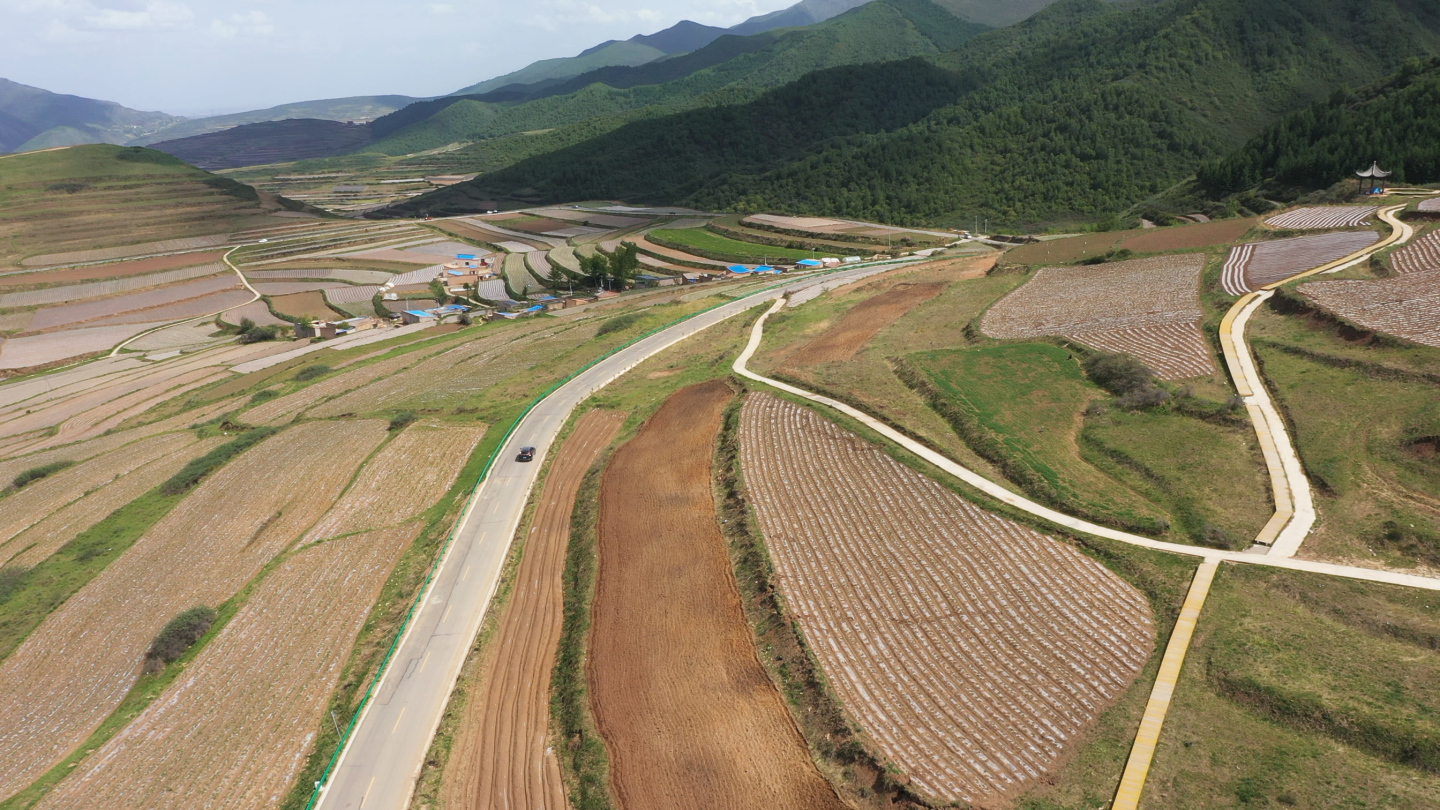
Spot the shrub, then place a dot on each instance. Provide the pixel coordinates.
(400, 420)
(192, 473)
(311, 373)
(1118, 373)
(264, 396)
(1143, 398)
(257, 334)
(36, 473)
(67, 188)
(11, 578)
(139, 154)
(177, 636)
(617, 323)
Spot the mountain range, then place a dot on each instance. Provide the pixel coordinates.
(31, 118)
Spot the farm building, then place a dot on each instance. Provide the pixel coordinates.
(648, 280)
(413, 316)
(809, 264)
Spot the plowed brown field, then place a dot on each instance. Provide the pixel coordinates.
(501, 759)
(1406, 306)
(841, 341)
(117, 270)
(76, 667)
(972, 651)
(403, 480)
(234, 729)
(689, 716)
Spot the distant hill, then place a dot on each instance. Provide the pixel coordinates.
(268, 142)
(61, 206)
(32, 118)
(358, 109)
(729, 70)
(1079, 112)
(683, 37)
(1395, 122)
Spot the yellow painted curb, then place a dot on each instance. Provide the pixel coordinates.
(1127, 797)
(1398, 231)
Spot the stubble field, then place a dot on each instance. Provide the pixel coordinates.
(688, 714)
(233, 730)
(74, 669)
(973, 652)
(1407, 306)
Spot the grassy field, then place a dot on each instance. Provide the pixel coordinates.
(1364, 418)
(94, 197)
(714, 246)
(1304, 691)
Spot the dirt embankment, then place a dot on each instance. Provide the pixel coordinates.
(841, 341)
(502, 757)
(688, 714)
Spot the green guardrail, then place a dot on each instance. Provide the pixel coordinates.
(485, 471)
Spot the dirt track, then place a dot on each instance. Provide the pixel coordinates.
(501, 757)
(688, 715)
(841, 341)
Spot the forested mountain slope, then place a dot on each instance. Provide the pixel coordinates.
(1077, 112)
(729, 70)
(32, 118)
(1395, 122)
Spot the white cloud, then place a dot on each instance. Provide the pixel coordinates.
(441, 8)
(250, 23)
(154, 16)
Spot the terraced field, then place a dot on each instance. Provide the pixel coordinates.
(1257, 264)
(1146, 307)
(266, 677)
(1322, 217)
(404, 479)
(76, 667)
(973, 652)
(1419, 256)
(1407, 306)
(687, 713)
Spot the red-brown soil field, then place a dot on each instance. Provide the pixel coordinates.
(1190, 237)
(501, 758)
(1406, 306)
(74, 669)
(1419, 256)
(687, 712)
(1146, 307)
(973, 652)
(116, 270)
(233, 730)
(841, 341)
(1257, 264)
(1069, 249)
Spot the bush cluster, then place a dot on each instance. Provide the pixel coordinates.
(36, 473)
(617, 323)
(400, 420)
(312, 373)
(177, 636)
(1126, 377)
(251, 333)
(192, 473)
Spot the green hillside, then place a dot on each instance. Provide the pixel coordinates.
(730, 70)
(1395, 122)
(1078, 112)
(32, 118)
(97, 196)
(613, 53)
(354, 108)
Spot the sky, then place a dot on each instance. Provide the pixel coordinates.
(205, 57)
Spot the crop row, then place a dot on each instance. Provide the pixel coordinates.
(1258, 264)
(1321, 217)
(1419, 256)
(1407, 306)
(972, 651)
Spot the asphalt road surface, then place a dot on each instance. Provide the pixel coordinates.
(379, 766)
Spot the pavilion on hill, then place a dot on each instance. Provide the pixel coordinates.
(1372, 180)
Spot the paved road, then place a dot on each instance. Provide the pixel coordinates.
(379, 766)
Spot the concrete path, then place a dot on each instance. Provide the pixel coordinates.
(1060, 519)
(384, 755)
(1143, 751)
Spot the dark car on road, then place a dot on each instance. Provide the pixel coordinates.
(526, 454)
